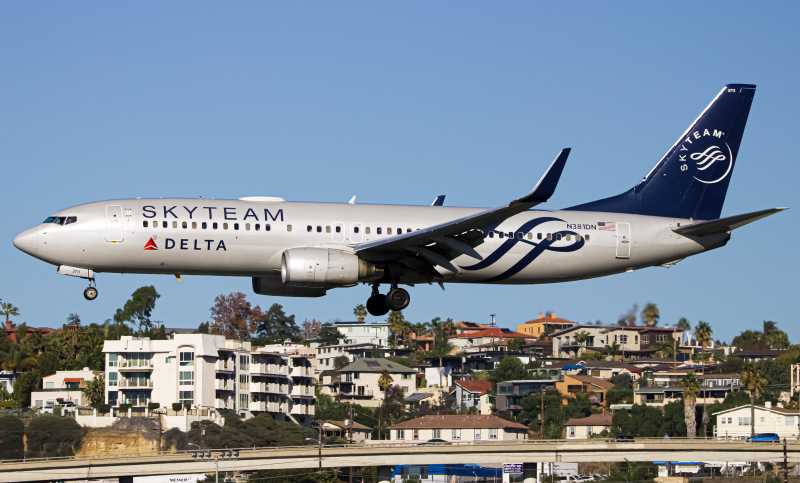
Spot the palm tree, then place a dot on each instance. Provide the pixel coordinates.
(442, 329)
(666, 348)
(396, 321)
(480, 376)
(360, 312)
(385, 381)
(650, 314)
(753, 377)
(8, 310)
(613, 350)
(684, 325)
(691, 387)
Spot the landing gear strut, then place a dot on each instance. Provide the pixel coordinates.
(91, 292)
(396, 299)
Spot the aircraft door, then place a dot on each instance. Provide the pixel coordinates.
(623, 240)
(338, 233)
(356, 232)
(114, 223)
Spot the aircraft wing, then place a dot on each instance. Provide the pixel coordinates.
(724, 225)
(423, 249)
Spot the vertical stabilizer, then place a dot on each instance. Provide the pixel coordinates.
(691, 180)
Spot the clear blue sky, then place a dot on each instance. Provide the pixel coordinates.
(396, 102)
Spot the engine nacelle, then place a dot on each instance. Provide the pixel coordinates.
(274, 286)
(325, 268)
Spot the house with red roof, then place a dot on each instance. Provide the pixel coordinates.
(61, 387)
(545, 325)
(584, 428)
(458, 428)
(473, 394)
(484, 336)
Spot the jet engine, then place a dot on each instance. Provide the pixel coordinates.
(274, 286)
(325, 268)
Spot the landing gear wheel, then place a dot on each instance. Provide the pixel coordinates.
(397, 299)
(90, 293)
(376, 305)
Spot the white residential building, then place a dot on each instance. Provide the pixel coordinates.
(363, 333)
(735, 423)
(458, 428)
(61, 387)
(207, 372)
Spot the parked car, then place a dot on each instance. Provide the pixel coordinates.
(436, 441)
(622, 438)
(764, 438)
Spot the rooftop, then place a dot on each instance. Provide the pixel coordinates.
(459, 421)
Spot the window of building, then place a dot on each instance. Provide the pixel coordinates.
(456, 434)
(112, 398)
(477, 434)
(493, 433)
(244, 401)
(113, 360)
(186, 378)
(356, 375)
(415, 435)
(401, 434)
(744, 421)
(437, 433)
(405, 389)
(589, 430)
(113, 379)
(789, 421)
(406, 376)
(244, 363)
(244, 380)
(186, 397)
(187, 358)
(623, 339)
(572, 430)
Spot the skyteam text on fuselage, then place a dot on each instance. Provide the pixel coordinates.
(305, 249)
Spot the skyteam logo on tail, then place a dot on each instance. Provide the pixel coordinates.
(712, 162)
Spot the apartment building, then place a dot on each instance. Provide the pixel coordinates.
(359, 381)
(636, 341)
(458, 428)
(208, 372)
(61, 387)
(363, 333)
(544, 325)
(735, 423)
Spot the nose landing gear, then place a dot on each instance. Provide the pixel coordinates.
(91, 291)
(396, 299)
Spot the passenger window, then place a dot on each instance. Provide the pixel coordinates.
(568, 237)
(174, 224)
(214, 225)
(204, 225)
(549, 236)
(235, 226)
(319, 229)
(258, 226)
(164, 224)
(194, 225)
(587, 237)
(224, 226)
(267, 227)
(367, 230)
(399, 231)
(308, 228)
(338, 229)
(288, 227)
(558, 236)
(530, 236)
(491, 234)
(247, 226)
(520, 235)
(511, 234)
(538, 236)
(144, 223)
(388, 231)
(500, 234)
(408, 230)
(327, 228)
(184, 225)
(378, 230)
(71, 219)
(355, 229)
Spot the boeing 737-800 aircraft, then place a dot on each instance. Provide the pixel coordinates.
(305, 249)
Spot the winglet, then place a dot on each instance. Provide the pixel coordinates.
(546, 186)
(439, 201)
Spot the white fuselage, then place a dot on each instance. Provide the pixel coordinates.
(248, 237)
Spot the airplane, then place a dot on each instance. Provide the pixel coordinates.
(304, 249)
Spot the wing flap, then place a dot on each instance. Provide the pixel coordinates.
(724, 225)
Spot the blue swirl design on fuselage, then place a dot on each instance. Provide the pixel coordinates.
(538, 249)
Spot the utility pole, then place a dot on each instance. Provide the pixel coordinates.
(492, 325)
(350, 434)
(542, 426)
(785, 464)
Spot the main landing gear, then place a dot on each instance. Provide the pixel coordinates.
(91, 291)
(396, 299)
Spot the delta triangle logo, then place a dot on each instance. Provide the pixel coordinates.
(150, 245)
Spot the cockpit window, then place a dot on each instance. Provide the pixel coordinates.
(60, 220)
(50, 219)
(71, 219)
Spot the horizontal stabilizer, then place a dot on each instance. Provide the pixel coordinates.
(723, 225)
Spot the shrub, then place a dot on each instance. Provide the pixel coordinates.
(11, 432)
(50, 436)
(153, 405)
(103, 408)
(177, 407)
(123, 408)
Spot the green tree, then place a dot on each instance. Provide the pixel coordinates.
(138, 308)
(515, 344)
(360, 312)
(275, 327)
(753, 379)
(650, 314)
(9, 311)
(234, 317)
(329, 335)
(510, 368)
(613, 349)
(396, 324)
(703, 332)
(95, 390)
(690, 385)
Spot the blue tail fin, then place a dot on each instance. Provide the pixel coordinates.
(691, 180)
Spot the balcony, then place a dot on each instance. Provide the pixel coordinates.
(224, 403)
(224, 384)
(225, 367)
(135, 366)
(302, 391)
(270, 369)
(269, 387)
(267, 406)
(136, 384)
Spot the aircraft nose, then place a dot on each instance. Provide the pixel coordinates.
(28, 241)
